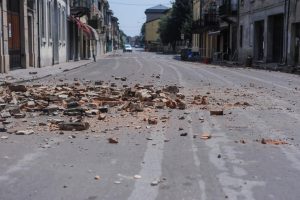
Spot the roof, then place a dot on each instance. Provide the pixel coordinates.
(157, 9)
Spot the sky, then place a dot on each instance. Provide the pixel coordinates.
(131, 13)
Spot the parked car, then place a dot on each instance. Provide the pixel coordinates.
(127, 48)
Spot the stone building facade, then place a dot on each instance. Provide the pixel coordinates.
(262, 31)
(53, 40)
(18, 33)
(214, 29)
(38, 33)
(293, 50)
(153, 17)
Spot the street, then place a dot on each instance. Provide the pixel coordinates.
(251, 151)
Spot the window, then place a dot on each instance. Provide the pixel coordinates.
(49, 21)
(63, 25)
(59, 23)
(42, 17)
(241, 36)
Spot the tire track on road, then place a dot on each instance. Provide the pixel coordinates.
(151, 169)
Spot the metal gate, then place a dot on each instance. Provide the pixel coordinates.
(14, 39)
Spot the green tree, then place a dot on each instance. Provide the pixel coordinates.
(142, 34)
(177, 23)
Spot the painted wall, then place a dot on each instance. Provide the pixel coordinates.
(250, 12)
(151, 29)
(53, 27)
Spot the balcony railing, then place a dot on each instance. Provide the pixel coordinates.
(207, 21)
(80, 7)
(228, 8)
(210, 19)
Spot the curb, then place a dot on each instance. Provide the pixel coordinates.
(49, 75)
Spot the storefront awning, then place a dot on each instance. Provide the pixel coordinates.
(88, 31)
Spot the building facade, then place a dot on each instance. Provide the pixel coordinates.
(91, 29)
(38, 33)
(53, 38)
(262, 31)
(293, 50)
(19, 48)
(153, 17)
(215, 29)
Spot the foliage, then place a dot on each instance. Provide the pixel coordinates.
(142, 34)
(177, 23)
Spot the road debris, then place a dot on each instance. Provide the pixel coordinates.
(73, 126)
(205, 136)
(113, 140)
(152, 121)
(216, 112)
(25, 132)
(274, 142)
(137, 176)
(183, 134)
(102, 117)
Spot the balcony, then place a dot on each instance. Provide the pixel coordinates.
(228, 8)
(80, 7)
(208, 21)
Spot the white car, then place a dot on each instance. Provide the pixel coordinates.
(127, 48)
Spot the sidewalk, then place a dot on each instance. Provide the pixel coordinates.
(29, 74)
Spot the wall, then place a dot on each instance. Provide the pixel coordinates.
(2, 60)
(54, 40)
(153, 16)
(251, 12)
(151, 30)
(292, 42)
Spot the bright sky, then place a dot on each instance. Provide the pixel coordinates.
(131, 13)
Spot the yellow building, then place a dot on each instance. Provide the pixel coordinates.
(153, 15)
(206, 38)
(151, 31)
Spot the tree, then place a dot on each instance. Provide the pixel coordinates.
(142, 34)
(177, 23)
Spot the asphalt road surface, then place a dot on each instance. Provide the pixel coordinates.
(156, 163)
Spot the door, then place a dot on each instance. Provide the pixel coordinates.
(30, 41)
(259, 40)
(278, 29)
(297, 44)
(14, 39)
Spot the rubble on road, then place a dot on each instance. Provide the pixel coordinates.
(216, 112)
(77, 103)
(74, 126)
(4, 137)
(205, 136)
(113, 140)
(76, 106)
(271, 141)
(25, 132)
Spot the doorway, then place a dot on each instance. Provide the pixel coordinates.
(259, 40)
(14, 36)
(297, 44)
(277, 37)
